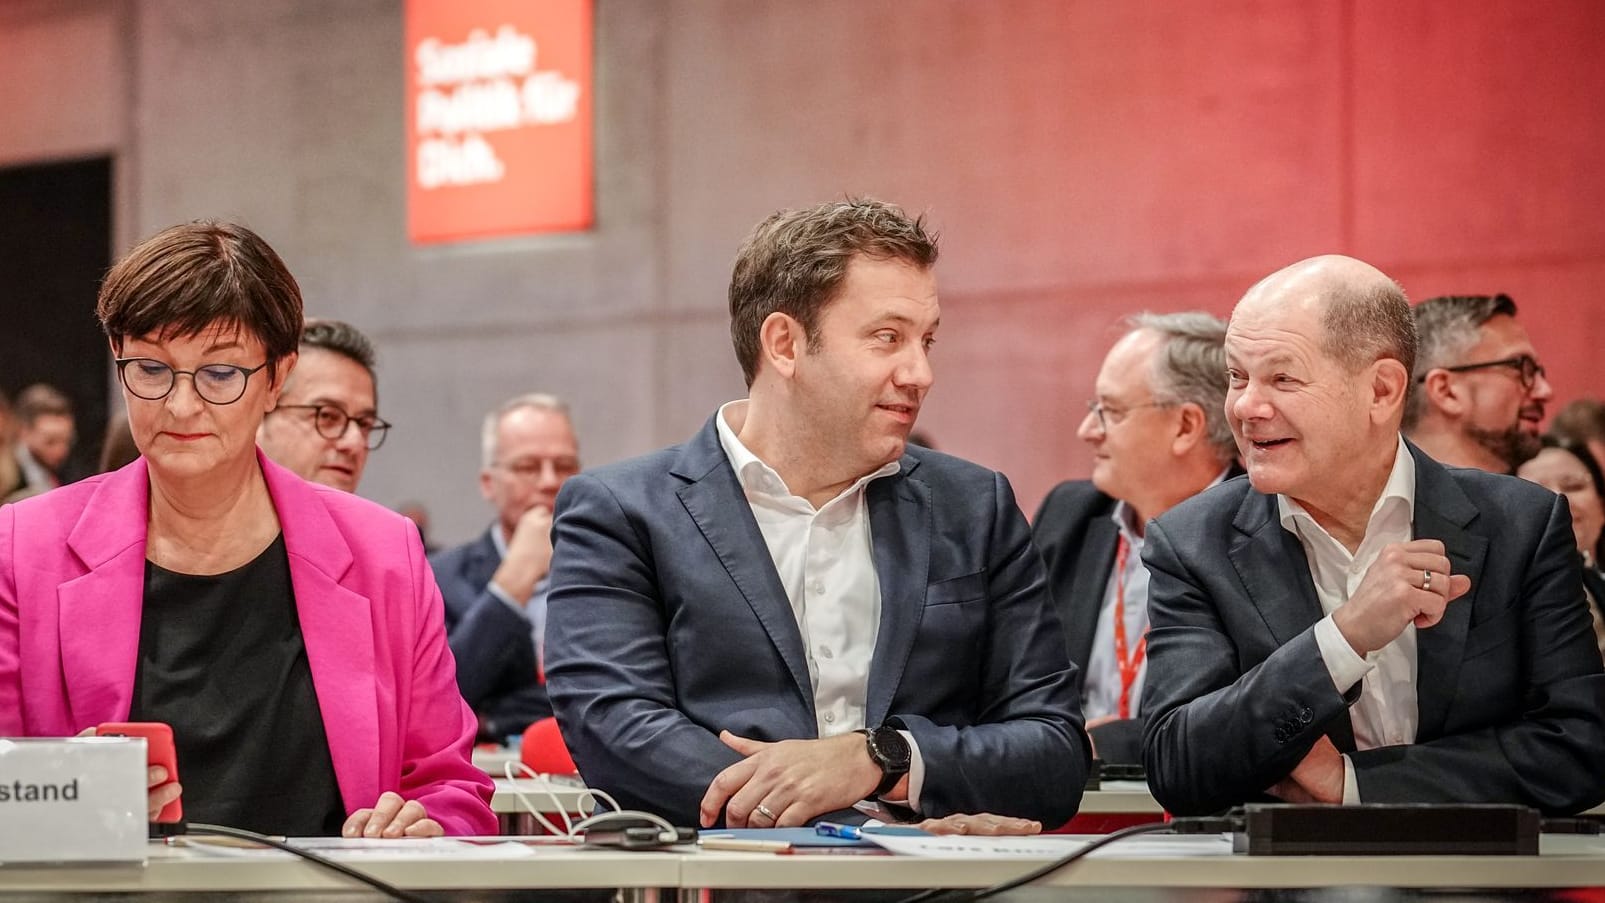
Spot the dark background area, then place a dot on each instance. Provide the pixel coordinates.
(55, 245)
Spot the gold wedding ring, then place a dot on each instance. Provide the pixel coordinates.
(1426, 580)
(764, 811)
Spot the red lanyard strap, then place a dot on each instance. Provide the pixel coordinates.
(1132, 664)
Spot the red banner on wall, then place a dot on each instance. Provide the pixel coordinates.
(498, 118)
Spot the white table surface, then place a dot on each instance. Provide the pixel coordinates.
(1566, 861)
(175, 869)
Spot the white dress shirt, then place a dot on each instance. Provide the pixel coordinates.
(1386, 713)
(826, 562)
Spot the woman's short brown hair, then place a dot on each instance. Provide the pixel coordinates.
(187, 278)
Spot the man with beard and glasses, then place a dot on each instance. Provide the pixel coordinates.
(1478, 392)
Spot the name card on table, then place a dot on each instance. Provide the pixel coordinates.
(76, 800)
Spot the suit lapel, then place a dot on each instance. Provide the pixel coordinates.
(482, 560)
(1275, 573)
(99, 611)
(337, 629)
(900, 528)
(1442, 512)
(1094, 563)
(719, 507)
(1271, 563)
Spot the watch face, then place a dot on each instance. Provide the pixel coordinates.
(890, 750)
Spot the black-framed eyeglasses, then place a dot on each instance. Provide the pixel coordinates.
(1526, 366)
(153, 380)
(1108, 414)
(332, 423)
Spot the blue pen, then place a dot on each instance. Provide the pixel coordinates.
(832, 829)
(835, 830)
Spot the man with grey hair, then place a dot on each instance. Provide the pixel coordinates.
(495, 586)
(1158, 431)
(1355, 622)
(1478, 392)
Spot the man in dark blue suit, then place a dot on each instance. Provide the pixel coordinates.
(1158, 433)
(495, 586)
(1355, 622)
(795, 612)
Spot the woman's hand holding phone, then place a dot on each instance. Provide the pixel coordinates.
(161, 772)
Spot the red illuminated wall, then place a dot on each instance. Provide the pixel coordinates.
(1458, 146)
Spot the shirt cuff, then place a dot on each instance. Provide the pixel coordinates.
(916, 774)
(1351, 787)
(496, 591)
(1345, 666)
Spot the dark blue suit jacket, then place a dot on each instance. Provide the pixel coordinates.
(667, 623)
(496, 667)
(1508, 684)
(1076, 534)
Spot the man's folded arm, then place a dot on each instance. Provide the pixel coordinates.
(1215, 737)
(1026, 754)
(607, 664)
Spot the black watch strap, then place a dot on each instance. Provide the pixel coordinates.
(889, 750)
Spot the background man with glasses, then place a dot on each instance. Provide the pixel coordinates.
(327, 419)
(1478, 392)
(495, 586)
(1159, 435)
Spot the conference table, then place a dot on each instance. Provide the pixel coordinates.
(1147, 868)
(1117, 804)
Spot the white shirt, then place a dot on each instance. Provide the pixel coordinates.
(1101, 692)
(826, 563)
(1386, 713)
(35, 475)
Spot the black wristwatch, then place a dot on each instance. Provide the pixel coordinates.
(890, 751)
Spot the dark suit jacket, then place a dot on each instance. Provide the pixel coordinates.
(496, 667)
(1077, 539)
(667, 622)
(1076, 536)
(1509, 684)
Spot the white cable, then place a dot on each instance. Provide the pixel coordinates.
(588, 799)
(567, 830)
(603, 817)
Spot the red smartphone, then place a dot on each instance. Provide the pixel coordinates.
(159, 750)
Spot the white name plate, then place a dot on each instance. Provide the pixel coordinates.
(77, 800)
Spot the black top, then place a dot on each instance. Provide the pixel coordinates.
(221, 659)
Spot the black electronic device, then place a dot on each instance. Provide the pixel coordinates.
(891, 753)
(1387, 830)
(626, 832)
(1122, 771)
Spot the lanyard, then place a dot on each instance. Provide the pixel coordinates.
(1132, 664)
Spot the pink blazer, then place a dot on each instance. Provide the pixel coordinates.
(72, 571)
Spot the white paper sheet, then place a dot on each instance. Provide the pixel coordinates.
(367, 849)
(1052, 847)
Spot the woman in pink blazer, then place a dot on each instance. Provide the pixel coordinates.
(291, 633)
